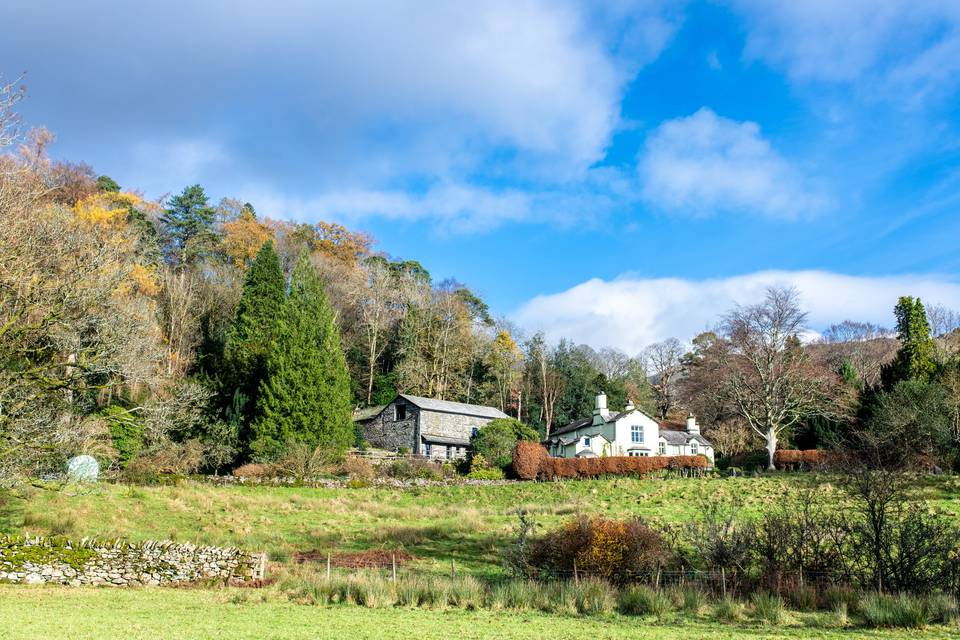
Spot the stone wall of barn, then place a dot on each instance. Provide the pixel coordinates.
(384, 431)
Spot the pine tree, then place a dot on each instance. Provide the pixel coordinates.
(915, 357)
(248, 340)
(305, 396)
(188, 222)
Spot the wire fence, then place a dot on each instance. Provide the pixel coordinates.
(716, 582)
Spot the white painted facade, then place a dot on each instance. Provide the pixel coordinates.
(630, 432)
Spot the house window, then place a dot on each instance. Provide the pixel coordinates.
(449, 452)
(663, 448)
(586, 441)
(693, 447)
(426, 449)
(400, 412)
(473, 431)
(637, 454)
(636, 433)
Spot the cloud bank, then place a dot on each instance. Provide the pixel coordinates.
(706, 163)
(631, 312)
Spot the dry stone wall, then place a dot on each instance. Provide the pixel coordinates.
(39, 560)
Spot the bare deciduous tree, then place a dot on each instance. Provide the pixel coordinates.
(10, 94)
(663, 362)
(769, 376)
(865, 346)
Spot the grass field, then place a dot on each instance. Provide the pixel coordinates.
(72, 614)
(437, 524)
(466, 524)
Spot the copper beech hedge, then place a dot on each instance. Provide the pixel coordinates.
(531, 461)
(810, 458)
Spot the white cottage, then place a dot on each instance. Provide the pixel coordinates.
(630, 432)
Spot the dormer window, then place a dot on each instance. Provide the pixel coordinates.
(636, 434)
(586, 441)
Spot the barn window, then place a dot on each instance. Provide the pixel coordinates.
(400, 412)
(426, 449)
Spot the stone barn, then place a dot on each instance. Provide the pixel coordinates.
(424, 426)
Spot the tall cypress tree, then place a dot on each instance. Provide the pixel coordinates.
(915, 357)
(305, 396)
(248, 340)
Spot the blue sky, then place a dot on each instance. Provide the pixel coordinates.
(616, 173)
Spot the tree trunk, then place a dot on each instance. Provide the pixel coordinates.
(771, 447)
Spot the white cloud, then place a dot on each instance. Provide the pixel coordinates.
(896, 49)
(455, 207)
(435, 85)
(706, 163)
(631, 312)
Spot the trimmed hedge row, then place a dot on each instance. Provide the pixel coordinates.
(810, 458)
(531, 461)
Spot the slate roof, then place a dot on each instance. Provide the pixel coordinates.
(580, 424)
(682, 437)
(446, 406)
(362, 415)
(458, 442)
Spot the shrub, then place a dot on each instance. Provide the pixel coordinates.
(164, 464)
(253, 470)
(495, 473)
(411, 469)
(767, 608)
(495, 440)
(527, 458)
(357, 468)
(643, 601)
(615, 550)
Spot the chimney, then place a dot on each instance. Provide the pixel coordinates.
(629, 406)
(600, 409)
(692, 426)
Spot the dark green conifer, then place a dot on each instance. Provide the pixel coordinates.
(305, 396)
(248, 340)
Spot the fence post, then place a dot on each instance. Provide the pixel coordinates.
(393, 561)
(657, 583)
(328, 565)
(576, 576)
(723, 582)
(453, 569)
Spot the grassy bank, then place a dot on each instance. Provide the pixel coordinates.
(89, 613)
(437, 524)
